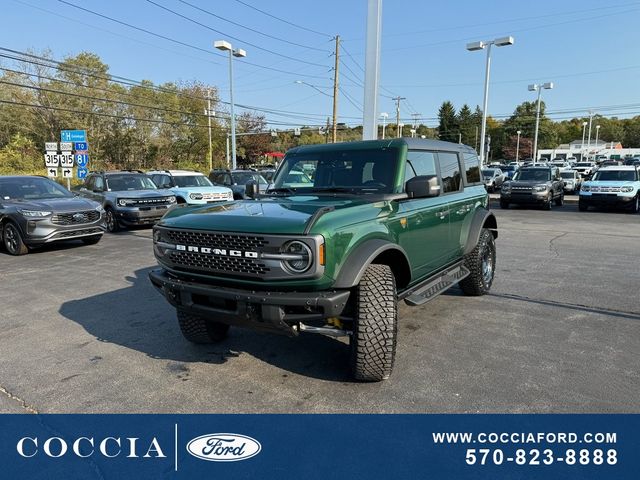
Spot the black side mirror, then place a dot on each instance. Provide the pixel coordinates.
(251, 189)
(423, 186)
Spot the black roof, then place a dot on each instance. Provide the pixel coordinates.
(412, 143)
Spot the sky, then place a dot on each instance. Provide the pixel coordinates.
(588, 49)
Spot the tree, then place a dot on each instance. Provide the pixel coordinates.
(466, 125)
(448, 128)
(252, 146)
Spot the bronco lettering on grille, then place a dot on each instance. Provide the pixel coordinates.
(216, 251)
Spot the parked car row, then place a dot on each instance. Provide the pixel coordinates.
(610, 186)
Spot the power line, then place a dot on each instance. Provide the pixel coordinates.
(130, 82)
(258, 47)
(296, 25)
(208, 12)
(184, 44)
(350, 99)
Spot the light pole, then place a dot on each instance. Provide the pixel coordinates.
(584, 130)
(589, 136)
(224, 45)
(400, 125)
(518, 146)
(597, 130)
(384, 116)
(532, 88)
(498, 42)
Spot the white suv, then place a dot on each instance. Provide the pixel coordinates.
(193, 188)
(616, 186)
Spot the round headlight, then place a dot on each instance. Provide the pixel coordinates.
(586, 188)
(195, 196)
(171, 199)
(626, 189)
(302, 257)
(122, 202)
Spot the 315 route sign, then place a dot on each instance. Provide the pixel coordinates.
(52, 160)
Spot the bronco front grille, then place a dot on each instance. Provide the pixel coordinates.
(217, 240)
(75, 218)
(218, 263)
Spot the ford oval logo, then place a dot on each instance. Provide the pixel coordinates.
(224, 447)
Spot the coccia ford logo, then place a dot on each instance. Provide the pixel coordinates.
(224, 447)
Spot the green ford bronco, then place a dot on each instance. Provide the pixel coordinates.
(345, 231)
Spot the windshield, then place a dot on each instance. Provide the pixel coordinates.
(350, 171)
(31, 188)
(567, 174)
(615, 176)
(241, 178)
(192, 181)
(538, 175)
(508, 168)
(488, 172)
(268, 174)
(121, 183)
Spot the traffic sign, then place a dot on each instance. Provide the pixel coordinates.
(66, 146)
(296, 131)
(80, 146)
(82, 159)
(51, 160)
(67, 173)
(51, 146)
(73, 136)
(66, 160)
(52, 172)
(82, 173)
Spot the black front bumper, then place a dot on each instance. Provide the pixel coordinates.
(607, 200)
(258, 310)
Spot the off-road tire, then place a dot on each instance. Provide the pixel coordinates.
(635, 206)
(478, 283)
(198, 329)
(92, 240)
(560, 200)
(12, 240)
(375, 328)
(111, 220)
(504, 204)
(583, 207)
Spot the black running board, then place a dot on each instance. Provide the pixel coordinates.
(435, 285)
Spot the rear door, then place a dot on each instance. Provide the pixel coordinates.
(459, 204)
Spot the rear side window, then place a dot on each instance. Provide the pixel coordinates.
(419, 163)
(472, 167)
(449, 171)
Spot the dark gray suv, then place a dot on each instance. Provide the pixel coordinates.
(541, 185)
(35, 211)
(129, 197)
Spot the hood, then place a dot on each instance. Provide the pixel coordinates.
(55, 205)
(141, 193)
(200, 189)
(611, 183)
(277, 215)
(527, 183)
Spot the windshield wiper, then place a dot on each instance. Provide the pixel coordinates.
(289, 190)
(334, 189)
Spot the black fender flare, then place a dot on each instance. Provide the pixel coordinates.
(481, 218)
(353, 269)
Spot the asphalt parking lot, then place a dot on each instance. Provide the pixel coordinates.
(82, 330)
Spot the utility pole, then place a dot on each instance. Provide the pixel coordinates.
(209, 121)
(397, 100)
(415, 116)
(476, 142)
(589, 141)
(334, 134)
(459, 137)
(326, 132)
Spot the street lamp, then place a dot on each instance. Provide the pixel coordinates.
(597, 130)
(400, 125)
(538, 88)
(384, 116)
(589, 135)
(472, 47)
(518, 146)
(224, 45)
(584, 129)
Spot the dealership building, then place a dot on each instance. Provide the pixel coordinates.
(580, 149)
